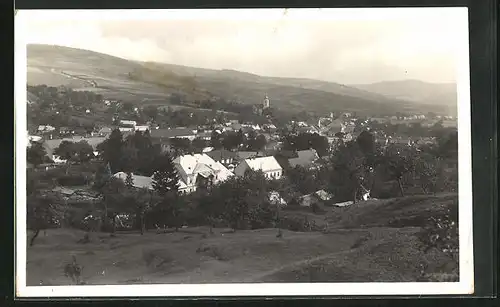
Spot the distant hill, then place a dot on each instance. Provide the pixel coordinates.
(443, 94)
(138, 81)
(304, 83)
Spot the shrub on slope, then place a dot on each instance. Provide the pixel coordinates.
(397, 212)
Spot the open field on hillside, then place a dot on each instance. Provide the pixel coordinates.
(369, 241)
(54, 66)
(41, 75)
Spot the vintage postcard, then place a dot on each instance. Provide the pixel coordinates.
(243, 152)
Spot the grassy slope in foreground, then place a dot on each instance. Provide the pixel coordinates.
(371, 251)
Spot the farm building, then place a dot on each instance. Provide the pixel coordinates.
(268, 165)
(198, 169)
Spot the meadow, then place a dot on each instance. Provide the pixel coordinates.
(372, 241)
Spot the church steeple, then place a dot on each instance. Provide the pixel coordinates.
(266, 103)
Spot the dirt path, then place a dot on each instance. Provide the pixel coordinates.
(92, 83)
(305, 262)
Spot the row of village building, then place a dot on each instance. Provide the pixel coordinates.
(163, 137)
(215, 167)
(210, 165)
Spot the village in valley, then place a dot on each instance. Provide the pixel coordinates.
(228, 150)
(222, 147)
(144, 173)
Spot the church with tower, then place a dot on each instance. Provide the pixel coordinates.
(260, 109)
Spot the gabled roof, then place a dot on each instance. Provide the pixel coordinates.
(223, 172)
(221, 154)
(200, 164)
(242, 155)
(189, 162)
(203, 170)
(265, 164)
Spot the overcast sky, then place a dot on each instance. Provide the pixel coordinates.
(345, 46)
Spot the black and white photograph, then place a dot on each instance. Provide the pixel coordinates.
(233, 152)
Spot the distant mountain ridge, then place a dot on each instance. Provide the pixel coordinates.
(138, 81)
(415, 90)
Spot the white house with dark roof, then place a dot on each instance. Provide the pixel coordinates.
(193, 169)
(268, 165)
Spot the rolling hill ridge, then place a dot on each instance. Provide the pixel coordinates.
(136, 81)
(444, 94)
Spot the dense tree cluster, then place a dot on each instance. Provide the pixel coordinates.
(76, 152)
(134, 153)
(36, 154)
(232, 140)
(305, 141)
(63, 97)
